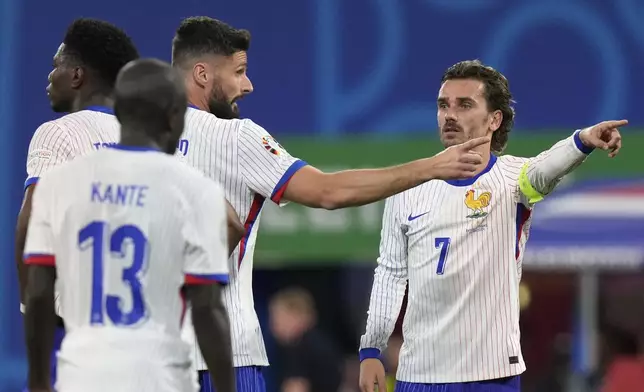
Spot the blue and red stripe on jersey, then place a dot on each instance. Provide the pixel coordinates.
(206, 278)
(255, 209)
(258, 203)
(31, 181)
(278, 192)
(44, 259)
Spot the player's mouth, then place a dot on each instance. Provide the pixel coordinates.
(452, 129)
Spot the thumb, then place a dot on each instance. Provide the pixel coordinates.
(479, 141)
(592, 139)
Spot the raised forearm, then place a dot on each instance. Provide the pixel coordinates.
(540, 175)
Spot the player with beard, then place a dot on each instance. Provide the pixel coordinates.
(253, 167)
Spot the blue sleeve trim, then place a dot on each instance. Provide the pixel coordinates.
(580, 145)
(367, 353)
(276, 196)
(31, 181)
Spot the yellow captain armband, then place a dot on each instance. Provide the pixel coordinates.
(526, 187)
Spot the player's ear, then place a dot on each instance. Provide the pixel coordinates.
(200, 74)
(78, 74)
(496, 118)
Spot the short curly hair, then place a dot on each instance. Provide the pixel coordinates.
(200, 35)
(497, 95)
(100, 46)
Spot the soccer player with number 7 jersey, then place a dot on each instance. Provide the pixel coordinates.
(458, 246)
(130, 233)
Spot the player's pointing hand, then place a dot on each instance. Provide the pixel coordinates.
(459, 161)
(604, 135)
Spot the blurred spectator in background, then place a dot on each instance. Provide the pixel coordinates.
(310, 360)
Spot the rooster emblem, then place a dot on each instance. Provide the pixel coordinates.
(477, 204)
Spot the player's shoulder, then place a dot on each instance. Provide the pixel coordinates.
(63, 125)
(200, 119)
(68, 172)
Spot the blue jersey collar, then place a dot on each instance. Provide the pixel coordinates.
(123, 147)
(102, 109)
(470, 181)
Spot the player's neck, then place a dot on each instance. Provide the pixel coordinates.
(485, 155)
(136, 138)
(85, 101)
(198, 101)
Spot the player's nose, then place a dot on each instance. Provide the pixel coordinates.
(247, 87)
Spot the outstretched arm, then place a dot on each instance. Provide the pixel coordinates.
(270, 171)
(349, 188)
(540, 175)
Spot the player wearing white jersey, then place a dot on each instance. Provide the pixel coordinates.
(458, 247)
(254, 168)
(127, 232)
(81, 83)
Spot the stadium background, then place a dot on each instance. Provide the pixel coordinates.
(352, 84)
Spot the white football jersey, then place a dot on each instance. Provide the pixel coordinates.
(252, 167)
(459, 246)
(68, 137)
(126, 228)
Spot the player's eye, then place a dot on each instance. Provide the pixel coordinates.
(442, 105)
(466, 105)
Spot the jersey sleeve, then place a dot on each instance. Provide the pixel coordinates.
(206, 238)
(541, 174)
(265, 165)
(389, 283)
(49, 147)
(39, 245)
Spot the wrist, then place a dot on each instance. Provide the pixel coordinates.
(369, 353)
(428, 170)
(580, 143)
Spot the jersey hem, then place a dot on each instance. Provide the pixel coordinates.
(468, 378)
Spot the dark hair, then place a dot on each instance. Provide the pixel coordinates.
(497, 95)
(100, 46)
(200, 35)
(146, 91)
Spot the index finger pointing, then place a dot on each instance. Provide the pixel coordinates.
(479, 141)
(612, 124)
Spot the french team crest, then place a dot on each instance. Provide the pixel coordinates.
(271, 145)
(477, 203)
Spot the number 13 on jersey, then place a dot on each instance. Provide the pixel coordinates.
(93, 237)
(442, 244)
